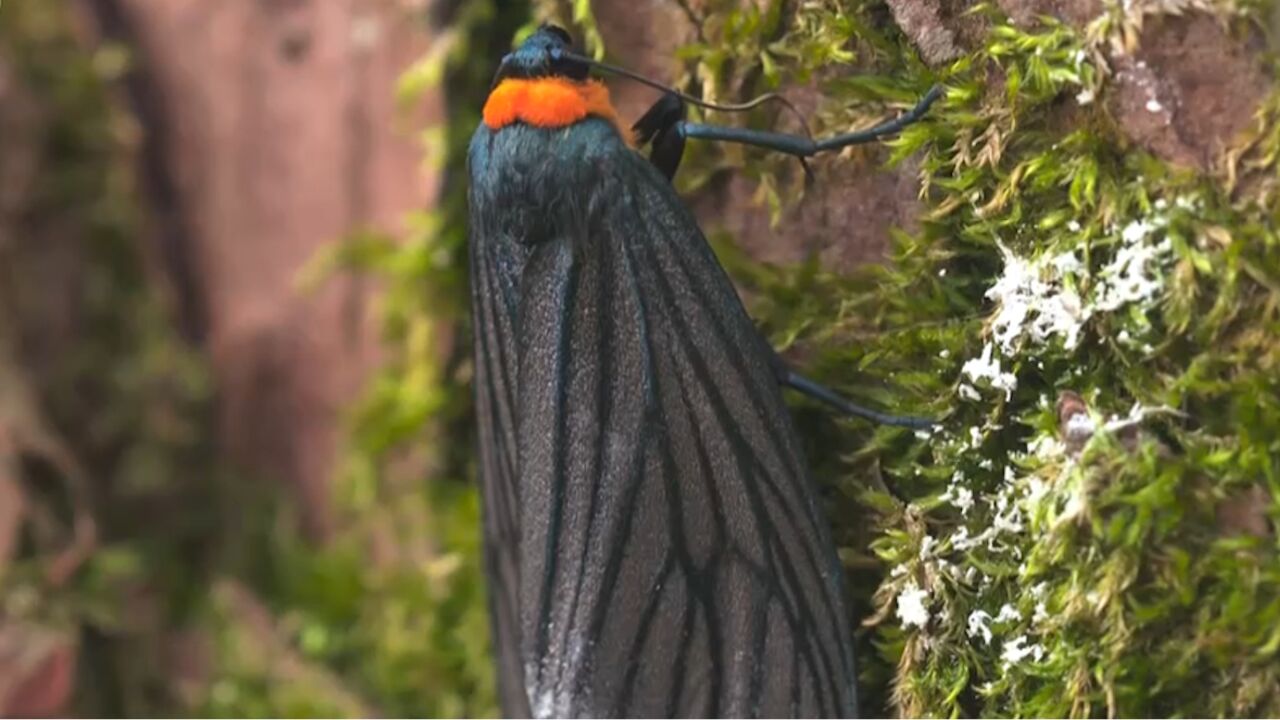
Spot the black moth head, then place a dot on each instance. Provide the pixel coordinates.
(543, 55)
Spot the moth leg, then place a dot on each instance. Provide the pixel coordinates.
(803, 146)
(831, 398)
(658, 128)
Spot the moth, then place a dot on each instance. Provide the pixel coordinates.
(652, 537)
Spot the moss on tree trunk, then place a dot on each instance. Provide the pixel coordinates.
(1088, 295)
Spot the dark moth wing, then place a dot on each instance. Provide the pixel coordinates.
(671, 559)
(494, 301)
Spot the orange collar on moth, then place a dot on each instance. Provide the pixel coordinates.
(550, 102)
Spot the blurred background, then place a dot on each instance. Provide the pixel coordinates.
(234, 467)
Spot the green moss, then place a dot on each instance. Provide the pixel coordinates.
(394, 607)
(1103, 569)
(111, 409)
(1111, 583)
(387, 619)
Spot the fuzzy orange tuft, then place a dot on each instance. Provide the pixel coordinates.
(550, 103)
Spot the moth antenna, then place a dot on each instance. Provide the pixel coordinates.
(721, 107)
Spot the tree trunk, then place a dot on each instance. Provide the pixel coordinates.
(273, 133)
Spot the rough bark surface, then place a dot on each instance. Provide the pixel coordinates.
(1188, 89)
(846, 213)
(1183, 94)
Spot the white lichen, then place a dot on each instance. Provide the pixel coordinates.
(1046, 448)
(1008, 613)
(958, 495)
(1080, 427)
(1066, 263)
(975, 437)
(986, 367)
(1037, 299)
(1133, 275)
(1017, 650)
(1037, 491)
(926, 546)
(1137, 415)
(1041, 614)
(980, 625)
(1008, 515)
(912, 606)
(1035, 302)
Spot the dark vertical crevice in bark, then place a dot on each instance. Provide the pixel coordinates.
(171, 234)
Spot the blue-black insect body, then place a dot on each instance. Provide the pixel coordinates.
(652, 536)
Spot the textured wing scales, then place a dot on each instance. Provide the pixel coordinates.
(672, 558)
(493, 300)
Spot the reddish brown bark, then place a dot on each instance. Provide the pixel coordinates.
(846, 215)
(1183, 95)
(39, 667)
(280, 134)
